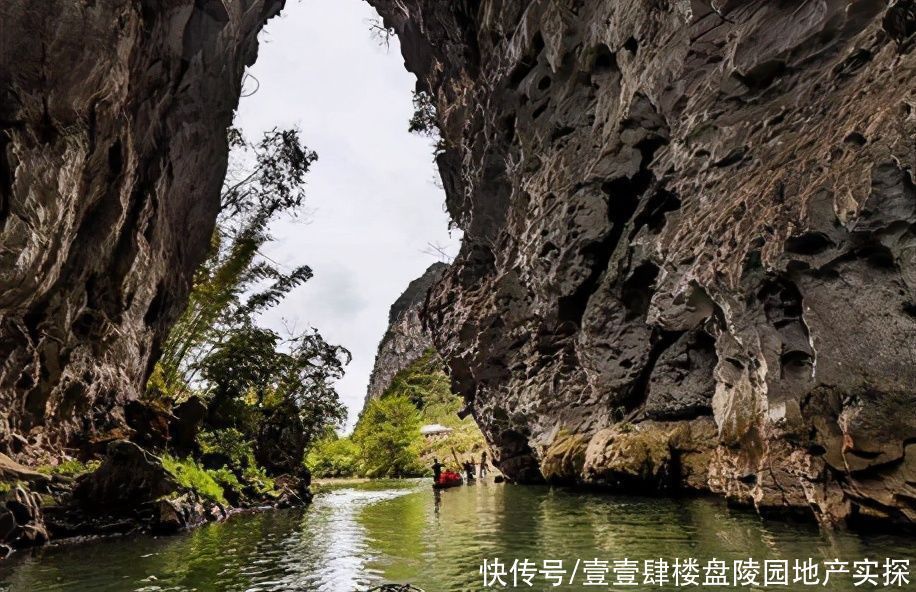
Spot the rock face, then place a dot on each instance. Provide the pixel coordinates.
(406, 339)
(690, 241)
(112, 152)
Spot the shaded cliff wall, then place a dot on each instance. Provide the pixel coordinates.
(689, 241)
(406, 339)
(112, 153)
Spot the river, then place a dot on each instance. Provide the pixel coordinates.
(356, 536)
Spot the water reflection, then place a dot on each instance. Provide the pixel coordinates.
(357, 536)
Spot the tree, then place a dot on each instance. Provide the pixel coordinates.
(279, 392)
(424, 120)
(276, 392)
(236, 282)
(333, 456)
(388, 437)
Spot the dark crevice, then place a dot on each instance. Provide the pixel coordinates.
(527, 64)
(661, 341)
(809, 243)
(783, 307)
(762, 75)
(7, 177)
(157, 306)
(115, 160)
(604, 60)
(636, 292)
(910, 309)
(623, 199)
(654, 213)
(733, 157)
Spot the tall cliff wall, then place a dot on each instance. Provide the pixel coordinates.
(689, 241)
(113, 121)
(406, 339)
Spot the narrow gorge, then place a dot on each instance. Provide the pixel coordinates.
(689, 255)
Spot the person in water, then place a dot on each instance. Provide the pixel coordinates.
(483, 464)
(437, 470)
(469, 470)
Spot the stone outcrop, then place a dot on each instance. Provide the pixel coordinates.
(113, 148)
(405, 339)
(690, 241)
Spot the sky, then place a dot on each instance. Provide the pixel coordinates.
(373, 200)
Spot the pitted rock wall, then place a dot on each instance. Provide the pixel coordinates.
(113, 148)
(689, 241)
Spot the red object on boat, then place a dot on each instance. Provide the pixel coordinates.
(448, 479)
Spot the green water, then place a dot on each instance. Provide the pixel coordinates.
(354, 537)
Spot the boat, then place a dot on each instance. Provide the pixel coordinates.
(448, 479)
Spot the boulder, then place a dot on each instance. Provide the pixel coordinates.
(128, 477)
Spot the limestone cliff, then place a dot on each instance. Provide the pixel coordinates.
(689, 255)
(406, 339)
(113, 120)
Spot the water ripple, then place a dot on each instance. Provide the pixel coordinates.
(357, 536)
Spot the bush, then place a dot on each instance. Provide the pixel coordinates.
(227, 480)
(333, 457)
(231, 444)
(388, 437)
(190, 475)
(69, 468)
(256, 478)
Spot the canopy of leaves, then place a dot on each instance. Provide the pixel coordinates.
(388, 438)
(424, 120)
(387, 441)
(333, 457)
(273, 393)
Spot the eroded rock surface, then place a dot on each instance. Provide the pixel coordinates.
(689, 234)
(113, 121)
(406, 339)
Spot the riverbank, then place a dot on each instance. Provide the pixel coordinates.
(384, 531)
(131, 490)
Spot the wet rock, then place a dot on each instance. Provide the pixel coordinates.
(678, 214)
(150, 423)
(7, 525)
(12, 471)
(186, 423)
(128, 477)
(22, 520)
(651, 456)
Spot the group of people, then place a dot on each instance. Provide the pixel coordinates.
(469, 468)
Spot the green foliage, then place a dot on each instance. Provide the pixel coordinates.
(69, 468)
(230, 443)
(388, 438)
(268, 396)
(424, 120)
(191, 475)
(333, 456)
(256, 478)
(227, 480)
(5, 487)
(427, 385)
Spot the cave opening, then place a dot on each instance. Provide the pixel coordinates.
(375, 206)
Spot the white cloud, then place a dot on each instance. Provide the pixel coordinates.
(372, 201)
